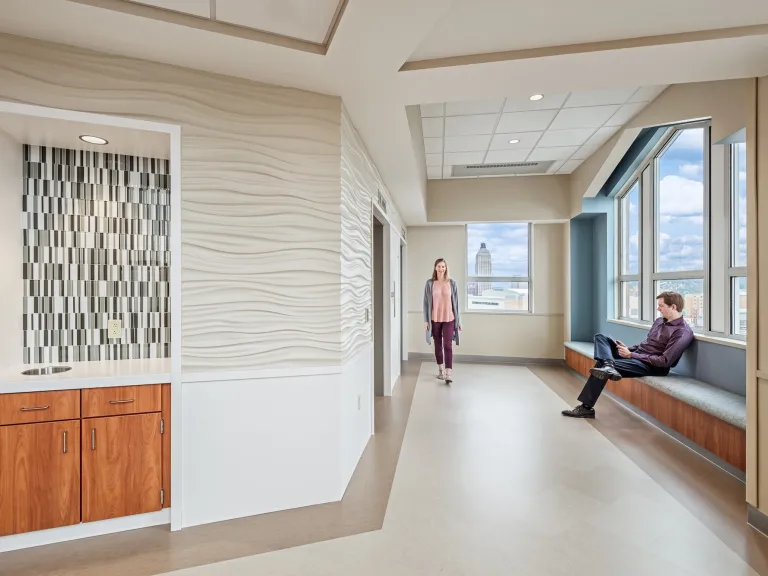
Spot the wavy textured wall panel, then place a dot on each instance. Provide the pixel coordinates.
(360, 183)
(261, 206)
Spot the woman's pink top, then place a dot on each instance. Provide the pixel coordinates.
(442, 308)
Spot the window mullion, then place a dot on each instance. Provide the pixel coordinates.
(647, 236)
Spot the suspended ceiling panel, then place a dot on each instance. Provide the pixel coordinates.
(560, 131)
(484, 26)
(307, 20)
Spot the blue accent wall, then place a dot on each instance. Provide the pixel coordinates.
(582, 277)
(592, 295)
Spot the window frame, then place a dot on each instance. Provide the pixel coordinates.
(488, 279)
(623, 278)
(646, 174)
(733, 271)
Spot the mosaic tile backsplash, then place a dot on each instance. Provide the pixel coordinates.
(96, 248)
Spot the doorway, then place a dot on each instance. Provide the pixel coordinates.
(377, 289)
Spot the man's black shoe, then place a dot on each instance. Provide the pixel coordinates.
(605, 372)
(580, 411)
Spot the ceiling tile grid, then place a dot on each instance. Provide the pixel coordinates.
(565, 129)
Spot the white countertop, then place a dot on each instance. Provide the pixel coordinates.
(87, 375)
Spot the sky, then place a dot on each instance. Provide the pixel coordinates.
(508, 244)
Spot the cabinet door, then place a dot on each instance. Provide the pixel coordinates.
(39, 476)
(122, 466)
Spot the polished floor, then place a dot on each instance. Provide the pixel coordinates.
(490, 479)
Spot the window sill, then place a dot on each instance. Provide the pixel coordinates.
(732, 342)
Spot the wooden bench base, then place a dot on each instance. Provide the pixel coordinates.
(721, 438)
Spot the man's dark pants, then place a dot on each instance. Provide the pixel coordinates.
(606, 349)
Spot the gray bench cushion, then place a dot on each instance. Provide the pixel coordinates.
(720, 403)
(584, 348)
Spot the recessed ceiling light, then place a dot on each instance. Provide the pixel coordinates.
(537, 97)
(514, 141)
(93, 140)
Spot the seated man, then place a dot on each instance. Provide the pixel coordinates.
(661, 350)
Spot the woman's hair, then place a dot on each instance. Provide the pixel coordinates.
(434, 268)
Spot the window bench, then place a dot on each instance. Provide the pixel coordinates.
(709, 416)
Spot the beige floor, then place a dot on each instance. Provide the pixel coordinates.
(491, 480)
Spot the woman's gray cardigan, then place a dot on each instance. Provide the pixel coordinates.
(428, 310)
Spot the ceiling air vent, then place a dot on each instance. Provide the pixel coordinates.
(508, 169)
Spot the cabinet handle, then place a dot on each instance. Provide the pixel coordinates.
(93, 438)
(121, 401)
(32, 409)
(65, 442)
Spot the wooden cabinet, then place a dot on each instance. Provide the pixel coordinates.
(121, 400)
(122, 466)
(74, 456)
(39, 476)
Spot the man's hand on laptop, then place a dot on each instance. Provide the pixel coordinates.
(623, 350)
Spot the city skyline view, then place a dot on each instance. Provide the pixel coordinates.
(507, 243)
(497, 250)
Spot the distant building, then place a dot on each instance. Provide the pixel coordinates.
(510, 299)
(694, 309)
(741, 318)
(483, 267)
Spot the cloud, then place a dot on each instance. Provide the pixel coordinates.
(682, 220)
(684, 252)
(694, 171)
(680, 196)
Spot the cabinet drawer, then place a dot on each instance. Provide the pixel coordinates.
(121, 400)
(31, 407)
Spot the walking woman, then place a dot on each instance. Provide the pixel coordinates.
(441, 317)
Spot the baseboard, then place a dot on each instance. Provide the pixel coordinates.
(473, 359)
(84, 530)
(701, 451)
(757, 520)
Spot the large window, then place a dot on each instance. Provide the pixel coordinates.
(681, 226)
(680, 169)
(737, 271)
(498, 267)
(629, 281)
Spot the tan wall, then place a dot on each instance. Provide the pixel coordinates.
(757, 295)
(537, 335)
(723, 101)
(261, 197)
(504, 199)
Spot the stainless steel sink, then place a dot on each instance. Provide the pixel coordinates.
(46, 371)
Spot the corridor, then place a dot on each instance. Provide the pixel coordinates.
(492, 480)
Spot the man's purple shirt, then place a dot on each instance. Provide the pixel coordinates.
(665, 343)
